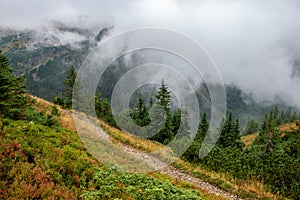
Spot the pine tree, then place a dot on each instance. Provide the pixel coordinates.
(268, 136)
(237, 142)
(157, 121)
(230, 133)
(69, 84)
(176, 119)
(151, 102)
(163, 97)
(184, 130)
(140, 113)
(225, 131)
(202, 128)
(103, 110)
(192, 153)
(276, 115)
(13, 101)
(251, 127)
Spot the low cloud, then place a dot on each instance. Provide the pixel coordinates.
(254, 43)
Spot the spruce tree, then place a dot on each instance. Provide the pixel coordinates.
(252, 126)
(230, 133)
(192, 153)
(69, 84)
(13, 101)
(140, 113)
(163, 97)
(268, 136)
(202, 128)
(103, 110)
(150, 104)
(237, 142)
(226, 128)
(184, 130)
(176, 119)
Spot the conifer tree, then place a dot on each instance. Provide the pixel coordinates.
(192, 153)
(268, 135)
(230, 133)
(176, 119)
(184, 130)
(150, 102)
(140, 113)
(69, 84)
(236, 135)
(13, 101)
(163, 97)
(103, 110)
(202, 128)
(252, 126)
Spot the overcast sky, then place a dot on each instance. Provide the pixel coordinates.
(253, 42)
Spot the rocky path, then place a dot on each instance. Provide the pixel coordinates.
(174, 172)
(154, 162)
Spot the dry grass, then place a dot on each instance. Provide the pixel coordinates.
(288, 127)
(250, 189)
(285, 128)
(65, 118)
(248, 139)
(136, 142)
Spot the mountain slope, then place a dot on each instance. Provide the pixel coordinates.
(285, 129)
(153, 162)
(180, 170)
(38, 161)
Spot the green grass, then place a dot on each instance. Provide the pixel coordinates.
(40, 162)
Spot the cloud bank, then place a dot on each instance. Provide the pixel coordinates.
(254, 43)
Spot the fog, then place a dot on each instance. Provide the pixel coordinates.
(254, 43)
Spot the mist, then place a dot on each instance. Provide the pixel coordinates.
(254, 43)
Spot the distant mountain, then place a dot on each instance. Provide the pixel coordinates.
(44, 56)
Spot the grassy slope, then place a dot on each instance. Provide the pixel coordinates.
(51, 163)
(250, 189)
(246, 189)
(285, 128)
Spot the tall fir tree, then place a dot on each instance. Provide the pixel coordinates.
(268, 136)
(230, 133)
(13, 100)
(103, 110)
(140, 114)
(192, 153)
(69, 85)
(176, 119)
(202, 128)
(252, 126)
(184, 130)
(163, 97)
(236, 136)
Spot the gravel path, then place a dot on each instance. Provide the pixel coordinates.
(154, 162)
(174, 172)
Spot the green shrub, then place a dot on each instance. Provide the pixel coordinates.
(112, 183)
